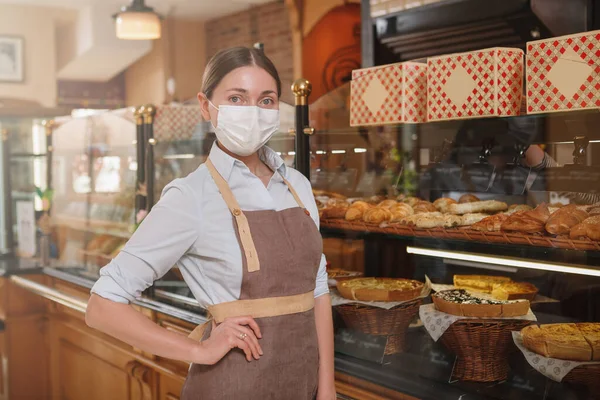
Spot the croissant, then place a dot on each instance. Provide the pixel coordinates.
(468, 198)
(443, 203)
(377, 215)
(387, 203)
(411, 201)
(400, 211)
(356, 210)
(589, 228)
(491, 223)
(513, 208)
(423, 207)
(527, 221)
(561, 222)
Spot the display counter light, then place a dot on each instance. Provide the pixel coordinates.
(504, 261)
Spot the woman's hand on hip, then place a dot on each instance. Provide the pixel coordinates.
(240, 332)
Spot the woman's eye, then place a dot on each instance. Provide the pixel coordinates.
(235, 99)
(267, 102)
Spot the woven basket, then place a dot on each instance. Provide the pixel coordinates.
(586, 375)
(481, 348)
(391, 323)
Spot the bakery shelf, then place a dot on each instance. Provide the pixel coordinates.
(522, 248)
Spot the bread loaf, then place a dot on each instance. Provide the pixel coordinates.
(468, 198)
(423, 207)
(478, 207)
(588, 228)
(561, 222)
(443, 203)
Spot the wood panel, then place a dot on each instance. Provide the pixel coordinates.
(26, 352)
(2, 298)
(169, 388)
(21, 302)
(3, 369)
(356, 388)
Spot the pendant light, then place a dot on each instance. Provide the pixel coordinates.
(137, 21)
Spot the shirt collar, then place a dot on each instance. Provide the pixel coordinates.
(224, 163)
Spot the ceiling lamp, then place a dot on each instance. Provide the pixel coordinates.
(137, 21)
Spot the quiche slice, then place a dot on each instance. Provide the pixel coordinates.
(462, 303)
(591, 333)
(514, 291)
(380, 289)
(479, 283)
(534, 340)
(565, 341)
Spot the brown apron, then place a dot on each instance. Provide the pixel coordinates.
(281, 255)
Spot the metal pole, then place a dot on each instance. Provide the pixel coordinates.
(301, 89)
(6, 222)
(149, 142)
(140, 144)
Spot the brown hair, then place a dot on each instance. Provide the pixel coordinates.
(227, 60)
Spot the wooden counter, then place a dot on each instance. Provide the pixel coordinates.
(48, 351)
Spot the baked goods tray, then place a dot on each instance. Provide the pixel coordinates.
(464, 233)
(576, 372)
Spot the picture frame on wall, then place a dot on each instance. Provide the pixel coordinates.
(11, 59)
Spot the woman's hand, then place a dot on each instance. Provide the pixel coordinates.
(240, 332)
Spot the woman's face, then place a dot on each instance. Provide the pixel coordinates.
(245, 86)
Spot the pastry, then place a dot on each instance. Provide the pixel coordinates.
(591, 333)
(588, 228)
(337, 203)
(490, 223)
(479, 283)
(478, 207)
(335, 275)
(443, 203)
(357, 210)
(532, 221)
(375, 199)
(435, 220)
(594, 211)
(423, 207)
(514, 291)
(380, 289)
(513, 208)
(412, 219)
(561, 222)
(324, 193)
(460, 302)
(468, 198)
(387, 203)
(335, 212)
(400, 211)
(576, 342)
(377, 215)
(411, 201)
(471, 218)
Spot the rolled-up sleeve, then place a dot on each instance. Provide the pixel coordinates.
(307, 197)
(165, 235)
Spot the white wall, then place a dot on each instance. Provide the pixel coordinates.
(37, 26)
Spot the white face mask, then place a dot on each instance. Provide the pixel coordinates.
(245, 129)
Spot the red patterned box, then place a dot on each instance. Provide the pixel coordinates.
(389, 94)
(484, 83)
(563, 73)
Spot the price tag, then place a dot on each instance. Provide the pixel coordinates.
(26, 229)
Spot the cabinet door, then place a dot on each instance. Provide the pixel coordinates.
(169, 388)
(85, 366)
(3, 363)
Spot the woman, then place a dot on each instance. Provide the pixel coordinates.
(238, 229)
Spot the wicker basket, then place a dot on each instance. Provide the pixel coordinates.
(391, 323)
(481, 348)
(586, 375)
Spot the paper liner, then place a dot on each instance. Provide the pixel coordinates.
(337, 300)
(553, 368)
(437, 322)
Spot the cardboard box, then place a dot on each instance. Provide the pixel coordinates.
(389, 94)
(563, 73)
(484, 83)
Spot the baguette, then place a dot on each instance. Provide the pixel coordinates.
(478, 207)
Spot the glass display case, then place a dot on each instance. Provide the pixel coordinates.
(94, 181)
(530, 167)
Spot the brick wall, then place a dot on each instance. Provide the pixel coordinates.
(269, 24)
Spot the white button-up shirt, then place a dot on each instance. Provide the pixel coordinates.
(191, 227)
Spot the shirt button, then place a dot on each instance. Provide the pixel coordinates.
(237, 212)
(306, 212)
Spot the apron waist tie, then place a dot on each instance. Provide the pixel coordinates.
(257, 308)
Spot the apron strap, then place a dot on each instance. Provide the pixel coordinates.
(293, 191)
(242, 222)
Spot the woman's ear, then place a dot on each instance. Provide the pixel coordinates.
(204, 106)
